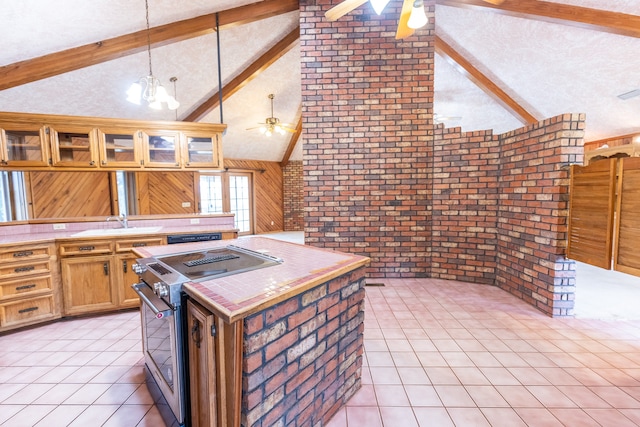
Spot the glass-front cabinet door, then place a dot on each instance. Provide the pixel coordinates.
(162, 149)
(119, 147)
(23, 145)
(202, 150)
(74, 146)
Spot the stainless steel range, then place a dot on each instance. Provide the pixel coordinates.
(162, 316)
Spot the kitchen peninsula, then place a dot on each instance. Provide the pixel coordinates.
(280, 345)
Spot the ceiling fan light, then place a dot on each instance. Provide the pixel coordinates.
(379, 5)
(268, 132)
(418, 17)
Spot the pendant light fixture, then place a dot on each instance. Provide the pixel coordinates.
(149, 88)
(418, 17)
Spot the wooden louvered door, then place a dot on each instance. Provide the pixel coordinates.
(627, 231)
(591, 213)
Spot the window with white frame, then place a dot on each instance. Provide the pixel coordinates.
(13, 197)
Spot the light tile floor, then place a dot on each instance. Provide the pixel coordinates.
(437, 353)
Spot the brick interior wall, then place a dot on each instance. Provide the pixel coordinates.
(365, 155)
(533, 211)
(293, 196)
(303, 357)
(420, 200)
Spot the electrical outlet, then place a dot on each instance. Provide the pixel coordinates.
(195, 221)
(59, 226)
(186, 204)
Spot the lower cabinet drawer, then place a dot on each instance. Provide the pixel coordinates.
(27, 311)
(24, 287)
(28, 268)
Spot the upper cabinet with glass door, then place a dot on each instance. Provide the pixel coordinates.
(202, 150)
(162, 149)
(23, 145)
(120, 147)
(74, 146)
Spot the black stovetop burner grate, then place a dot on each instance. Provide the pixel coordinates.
(210, 260)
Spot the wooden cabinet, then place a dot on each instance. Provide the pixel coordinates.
(87, 274)
(162, 149)
(125, 275)
(202, 150)
(74, 146)
(97, 274)
(50, 141)
(23, 145)
(120, 147)
(88, 284)
(202, 366)
(214, 352)
(28, 287)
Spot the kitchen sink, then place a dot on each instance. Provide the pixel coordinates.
(116, 231)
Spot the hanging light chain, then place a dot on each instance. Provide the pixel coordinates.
(146, 6)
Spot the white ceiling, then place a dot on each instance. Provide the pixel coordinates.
(547, 68)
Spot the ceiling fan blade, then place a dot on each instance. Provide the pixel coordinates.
(403, 27)
(342, 8)
(496, 2)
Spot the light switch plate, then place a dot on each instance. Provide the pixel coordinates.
(186, 204)
(59, 226)
(195, 221)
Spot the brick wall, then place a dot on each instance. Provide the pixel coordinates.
(293, 195)
(303, 357)
(466, 169)
(533, 210)
(423, 201)
(365, 99)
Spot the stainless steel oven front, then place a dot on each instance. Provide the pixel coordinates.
(163, 351)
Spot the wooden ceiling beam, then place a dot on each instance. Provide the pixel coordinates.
(558, 13)
(53, 64)
(252, 71)
(293, 141)
(483, 82)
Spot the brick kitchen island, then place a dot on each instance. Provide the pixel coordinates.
(288, 341)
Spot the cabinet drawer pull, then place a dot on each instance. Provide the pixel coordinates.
(105, 267)
(21, 254)
(86, 248)
(27, 310)
(25, 287)
(23, 269)
(139, 244)
(124, 266)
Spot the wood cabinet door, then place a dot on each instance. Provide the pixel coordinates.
(87, 284)
(202, 366)
(23, 145)
(126, 277)
(120, 147)
(74, 146)
(202, 150)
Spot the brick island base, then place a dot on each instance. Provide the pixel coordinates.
(303, 357)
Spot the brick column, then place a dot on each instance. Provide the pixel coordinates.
(366, 104)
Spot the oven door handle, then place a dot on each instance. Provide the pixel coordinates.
(160, 308)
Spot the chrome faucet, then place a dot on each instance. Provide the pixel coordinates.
(122, 219)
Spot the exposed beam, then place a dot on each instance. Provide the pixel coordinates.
(292, 142)
(53, 64)
(576, 16)
(248, 74)
(483, 82)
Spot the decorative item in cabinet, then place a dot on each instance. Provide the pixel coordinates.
(162, 149)
(73, 146)
(120, 147)
(28, 293)
(202, 151)
(23, 145)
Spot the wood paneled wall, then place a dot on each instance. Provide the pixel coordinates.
(69, 194)
(166, 193)
(267, 188)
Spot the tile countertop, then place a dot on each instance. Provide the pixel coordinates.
(237, 296)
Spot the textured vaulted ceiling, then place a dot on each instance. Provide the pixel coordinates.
(547, 68)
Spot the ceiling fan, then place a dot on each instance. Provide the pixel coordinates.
(412, 15)
(272, 124)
